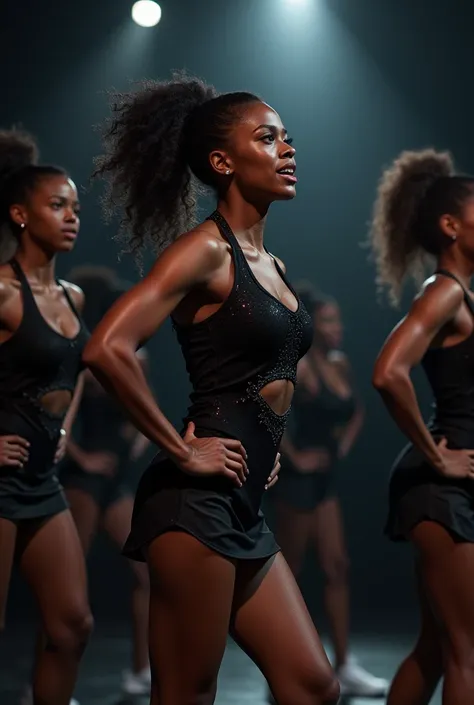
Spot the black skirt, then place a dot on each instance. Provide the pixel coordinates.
(34, 490)
(212, 511)
(417, 493)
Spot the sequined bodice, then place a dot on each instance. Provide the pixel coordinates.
(252, 340)
(36, 360)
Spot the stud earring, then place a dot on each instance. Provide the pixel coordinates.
(22, 225)
(453, 238)
(228, 172)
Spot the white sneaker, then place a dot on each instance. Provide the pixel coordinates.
(356, 681)
(136, 683)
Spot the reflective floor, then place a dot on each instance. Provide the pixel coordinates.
(240, 682)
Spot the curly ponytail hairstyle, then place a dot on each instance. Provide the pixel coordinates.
(413, 194)
(156, 151)
(19, 174)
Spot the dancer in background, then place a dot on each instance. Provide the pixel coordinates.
(425, 209)
(326, 420)
(99, 473)
(214, 565)
(41, 341)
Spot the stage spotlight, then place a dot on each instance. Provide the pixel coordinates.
(146, 13)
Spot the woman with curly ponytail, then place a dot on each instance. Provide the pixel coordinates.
(42, 337)
(424, 210)
(214, 565)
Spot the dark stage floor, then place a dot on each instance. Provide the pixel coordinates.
(240, 682)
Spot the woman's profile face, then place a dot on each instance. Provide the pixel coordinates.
(261, 156)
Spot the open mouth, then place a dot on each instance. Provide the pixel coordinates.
(288, 173)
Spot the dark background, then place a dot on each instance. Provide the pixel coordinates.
(355, 83)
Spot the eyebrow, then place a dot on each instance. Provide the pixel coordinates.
(62, 198)
(272, 128)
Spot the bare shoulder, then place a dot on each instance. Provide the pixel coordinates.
(206, 241)
(75, 292)
(439, 297)
(441, 287)
(192, 259)
(9, 284)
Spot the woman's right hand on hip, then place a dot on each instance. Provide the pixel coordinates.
(456, 463)
(215, 456)
(13, 451)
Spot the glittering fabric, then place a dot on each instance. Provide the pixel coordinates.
(250, 341)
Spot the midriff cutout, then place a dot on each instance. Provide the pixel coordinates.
(56, 402)
(278, 395)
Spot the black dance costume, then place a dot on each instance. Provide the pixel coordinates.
(34, 361)
(417, 492)
(314, 421)
(102, 429)
(252, 340)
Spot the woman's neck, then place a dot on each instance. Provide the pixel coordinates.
(246, 221)
(37, 264)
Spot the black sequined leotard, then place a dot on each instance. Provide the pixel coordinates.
(417, 492)
(252, 340)
(35, 360)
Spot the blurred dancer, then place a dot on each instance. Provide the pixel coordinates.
(42, 336)
(425, 209)
(325, 423)
(99, 473)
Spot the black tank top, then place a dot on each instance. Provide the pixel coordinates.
(450, 372)
(251, 340)
(36, 360)
(315, 417)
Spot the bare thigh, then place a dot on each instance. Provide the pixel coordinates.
(86, 514)
(52, 561)
(293, 533)
(273, 626)
(447, 574)
(327, 532)
(8, 533)
(190, 606)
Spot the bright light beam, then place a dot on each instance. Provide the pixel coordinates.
(146, 13)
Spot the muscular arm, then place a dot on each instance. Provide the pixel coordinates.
(140, 442)
(77, 296)
(437, 306)
(74, 406)
(189, 263)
